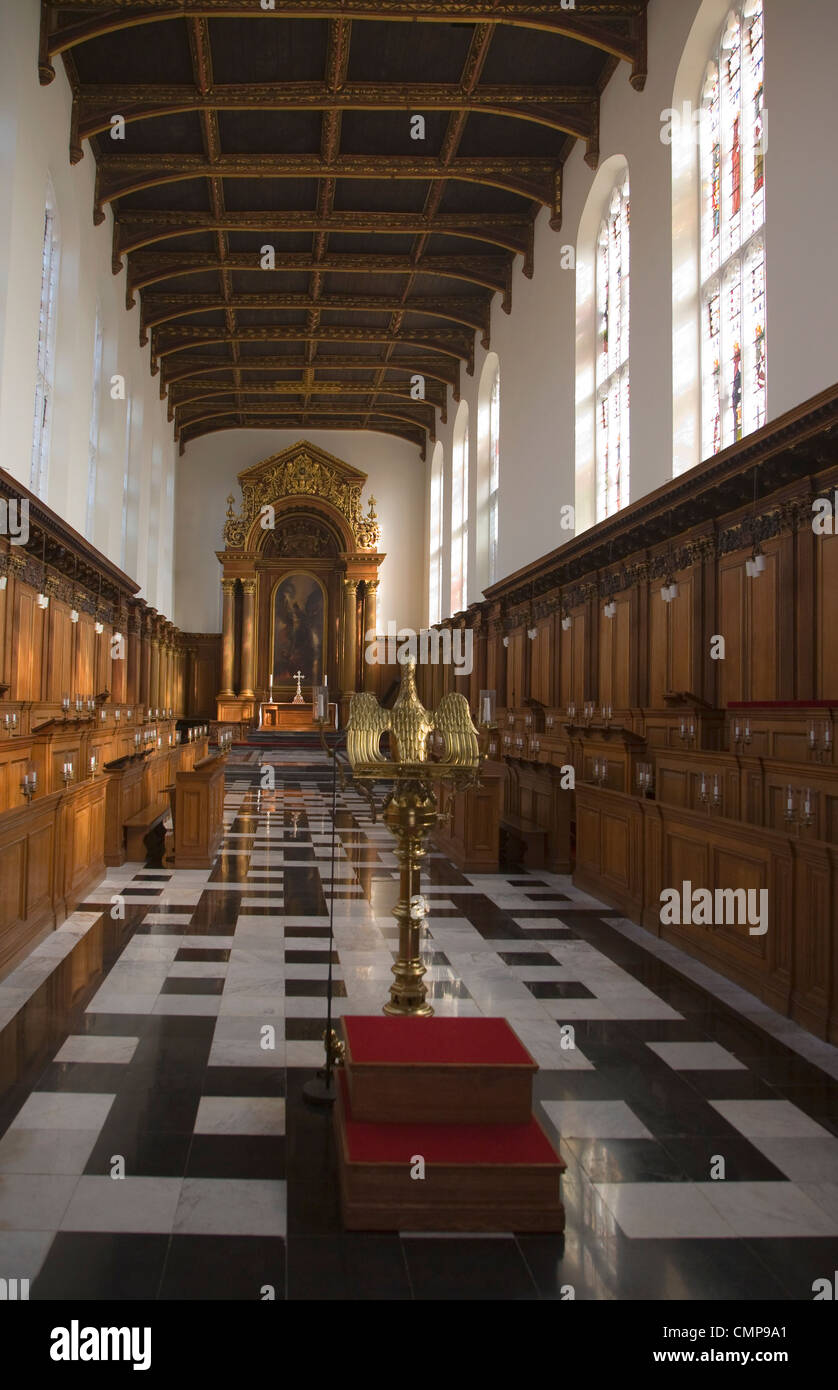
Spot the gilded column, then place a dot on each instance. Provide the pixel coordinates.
(228, 639)
(350, 617)
(248, 637)
(370, 625)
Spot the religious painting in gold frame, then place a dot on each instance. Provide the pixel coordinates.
(299, 606)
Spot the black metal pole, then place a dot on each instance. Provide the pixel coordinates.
(321, 1089)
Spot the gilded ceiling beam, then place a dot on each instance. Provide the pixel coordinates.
(420, 416)
(147, 268)
(569, 110)
(185, 367)
(138, 228)
(472, 311)
(615, 28)
(118, 175)
(202, 391)
(308, 420)
(176, 338)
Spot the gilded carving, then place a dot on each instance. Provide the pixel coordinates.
(303, 476)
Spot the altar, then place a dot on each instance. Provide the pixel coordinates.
(299, 585)
(286, 716)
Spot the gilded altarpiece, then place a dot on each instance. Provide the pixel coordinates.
(299, 582)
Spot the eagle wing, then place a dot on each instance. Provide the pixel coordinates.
(367, 722)
(452, 718)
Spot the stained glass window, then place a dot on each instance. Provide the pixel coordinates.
(459, 522)
(732, 225)
(494, 474)
(612, 369)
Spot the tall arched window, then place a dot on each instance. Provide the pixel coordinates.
(494, 474)
(45, 378)
(459, 511)
(488, 474)
(612, 366)
(435, 538)
(733, 360)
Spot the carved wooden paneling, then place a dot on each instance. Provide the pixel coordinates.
(541, 657)
(732, 628)
(12, 884)
(578, 635)
(680, 613)
(26, 659)
(764, 596)
(814, 945)
(658, 648)
(516, 691)
(826, 584)
(59, 663)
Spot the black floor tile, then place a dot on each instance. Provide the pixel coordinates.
(796, 1263)
(463, 1268)
(237, 1268)
(304, 1029)
(244, 1081)
(528, 958)
(314, 989)
(169, 1112)
(202, 953)
(559, 989)
(354, 1267)
(698, 1156)
(237, 1156)
(147, 1154)
(185, 984)
(102, 1267)
(311, 957)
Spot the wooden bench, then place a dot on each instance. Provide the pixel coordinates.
(532, 837)
(143, 832)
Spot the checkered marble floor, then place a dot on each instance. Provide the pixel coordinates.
(165, 1151)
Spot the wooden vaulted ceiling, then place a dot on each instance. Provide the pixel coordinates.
(290, 126)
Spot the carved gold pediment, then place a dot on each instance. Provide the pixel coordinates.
(302, 470)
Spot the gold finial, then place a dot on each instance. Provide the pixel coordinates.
(372, 512)
(230, 513)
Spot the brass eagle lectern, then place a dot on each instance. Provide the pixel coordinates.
(411, 811)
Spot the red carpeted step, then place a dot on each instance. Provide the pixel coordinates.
(473, 1177)
(437, 1070)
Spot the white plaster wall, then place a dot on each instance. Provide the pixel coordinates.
(535, 343)
(207, 473)
(34, 134)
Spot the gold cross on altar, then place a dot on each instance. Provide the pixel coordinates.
(298, 698)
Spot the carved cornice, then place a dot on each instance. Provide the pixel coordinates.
(795, 448)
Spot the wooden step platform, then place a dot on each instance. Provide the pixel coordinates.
(455, 1093)
(441, 1070)
(477, 1177)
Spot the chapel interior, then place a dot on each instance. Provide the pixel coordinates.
(418, 672)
